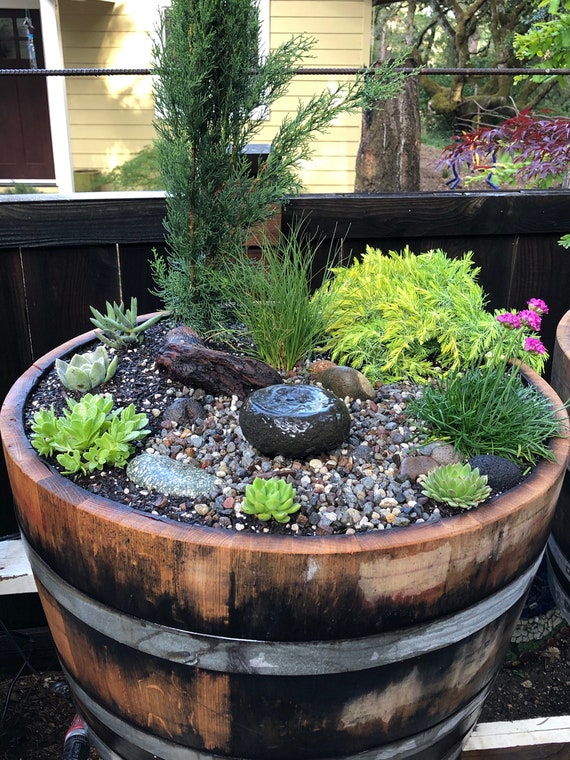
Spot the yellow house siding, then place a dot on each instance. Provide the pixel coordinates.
(341, 30)
(111, 117)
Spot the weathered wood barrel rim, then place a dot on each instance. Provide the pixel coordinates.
(192, 587)
(558, 550)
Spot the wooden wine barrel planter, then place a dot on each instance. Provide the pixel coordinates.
(189, 642)
(558, 551)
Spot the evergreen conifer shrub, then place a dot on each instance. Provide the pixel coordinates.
(212, 88)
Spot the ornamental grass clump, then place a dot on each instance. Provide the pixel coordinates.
(457, 485)
(488, 408)
(272, 299)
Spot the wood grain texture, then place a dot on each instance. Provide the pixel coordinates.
(559, 560)
(62, 283)
(17, 356)
(95, 218)
(561, 359)
(442, 215)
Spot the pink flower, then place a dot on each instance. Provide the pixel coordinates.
(538, 305)
(531, 319)
(512, 321)
(534, 346)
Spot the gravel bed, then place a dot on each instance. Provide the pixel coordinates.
(355, 488)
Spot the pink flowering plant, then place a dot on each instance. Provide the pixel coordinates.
(519, 339)
(488, 408)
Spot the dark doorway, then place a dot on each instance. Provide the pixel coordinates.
(25, 138)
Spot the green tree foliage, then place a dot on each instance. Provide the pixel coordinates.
(212, 88)
(547, 43)
(467, 34)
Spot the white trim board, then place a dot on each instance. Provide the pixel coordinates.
(532, 739)
(15, 571)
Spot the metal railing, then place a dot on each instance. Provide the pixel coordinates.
(98, 72)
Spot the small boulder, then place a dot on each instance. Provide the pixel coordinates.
(184, 412)
(320, 365)
(347, 381)
(412, 467)
(502, 474)
(443, 453)
(294, 420)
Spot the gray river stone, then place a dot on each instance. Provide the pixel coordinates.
(169, 476)
(294, 420)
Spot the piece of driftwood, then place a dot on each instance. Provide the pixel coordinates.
(186, 359)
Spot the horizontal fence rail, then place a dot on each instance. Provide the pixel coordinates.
(61, 254)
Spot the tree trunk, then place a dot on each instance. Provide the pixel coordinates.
(388, 159)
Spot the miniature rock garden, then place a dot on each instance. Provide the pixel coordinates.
(404, 410)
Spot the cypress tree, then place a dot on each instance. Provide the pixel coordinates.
(211, 86)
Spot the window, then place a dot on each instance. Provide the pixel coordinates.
(17, 39)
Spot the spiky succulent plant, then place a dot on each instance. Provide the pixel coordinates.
(270, 499)
(86, 371)
(118, 327)
(457, 485)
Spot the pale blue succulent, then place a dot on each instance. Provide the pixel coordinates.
(86, 371)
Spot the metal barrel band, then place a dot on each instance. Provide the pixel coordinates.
(410, 747)
(280, 658)
(561, 560)
(558, 578)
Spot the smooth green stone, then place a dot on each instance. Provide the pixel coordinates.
(169, 476)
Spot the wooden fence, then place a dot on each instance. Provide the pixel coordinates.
(59, 255)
